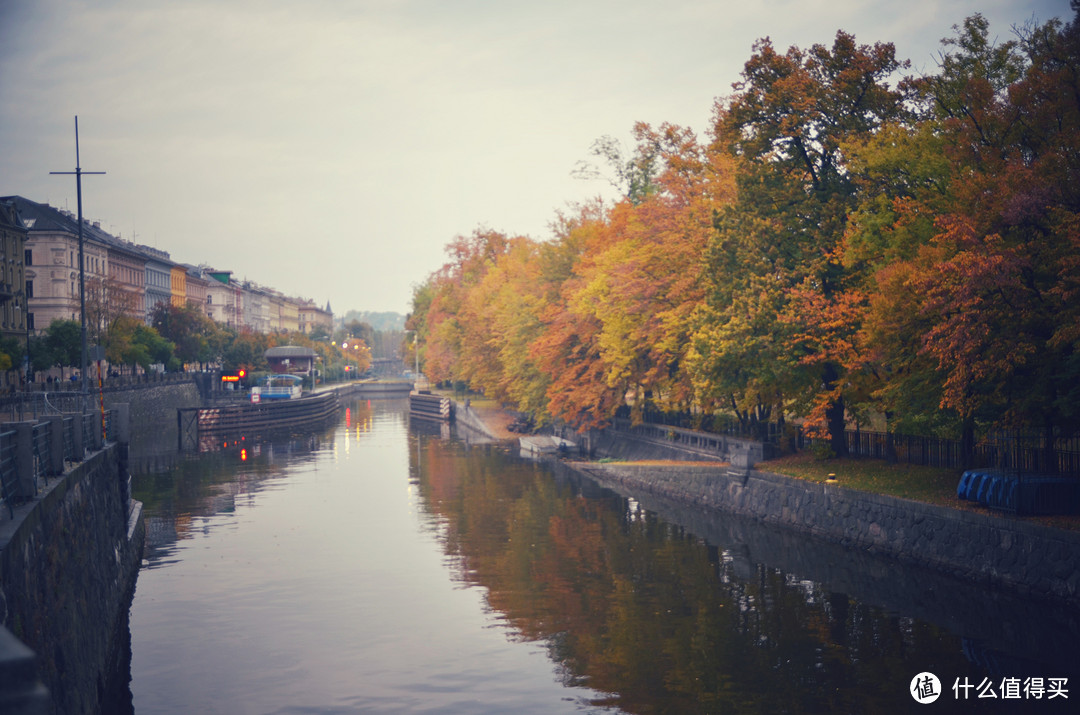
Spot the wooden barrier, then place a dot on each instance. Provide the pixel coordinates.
(426, 406)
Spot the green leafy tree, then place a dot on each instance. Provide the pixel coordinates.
(247, 350)
(11, 353)
(187, 328)
(999, 283)
(776, 248)
(63, 341)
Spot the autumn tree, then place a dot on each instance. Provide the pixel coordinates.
(106, 300)
(568, 349)
(643, 279)
(187, 328)
(443, 329)
(246, 350)
(131, 342)
(634, 176)
(777, 278)
(998, 283)
(503, 311)
(904, 178)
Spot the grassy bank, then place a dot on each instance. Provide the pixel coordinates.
(931, 485)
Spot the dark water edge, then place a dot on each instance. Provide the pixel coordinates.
(1000, 628)
(816, 627)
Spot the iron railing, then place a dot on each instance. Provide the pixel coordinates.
(42, 450)
(41, 464)
(1011, 453)
(1016, 453)
(8, 475)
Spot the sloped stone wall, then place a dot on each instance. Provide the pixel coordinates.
(981, 547)
(68, 572)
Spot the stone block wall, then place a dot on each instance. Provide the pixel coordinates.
(980, 547)
(67, 571)
(648, 441)
(153, 414)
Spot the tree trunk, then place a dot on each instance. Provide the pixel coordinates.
(834, 414)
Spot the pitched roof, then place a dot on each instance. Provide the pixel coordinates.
(9, 216)
(43, 217)
(289, 351)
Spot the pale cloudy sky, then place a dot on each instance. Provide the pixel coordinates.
(331, 148)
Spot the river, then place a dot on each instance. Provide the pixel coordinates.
(378, 566)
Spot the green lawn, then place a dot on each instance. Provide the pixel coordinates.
(925, 484)
(932, 485)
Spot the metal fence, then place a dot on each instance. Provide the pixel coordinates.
(727, 425)
(42, 450)
(1011, 452)
(1006, 452)
(8, 475)
(52, 443)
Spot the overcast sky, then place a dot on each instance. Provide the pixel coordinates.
(330, 149)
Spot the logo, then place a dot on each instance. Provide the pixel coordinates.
(925, 688)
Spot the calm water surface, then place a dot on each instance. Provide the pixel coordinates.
(378, 567)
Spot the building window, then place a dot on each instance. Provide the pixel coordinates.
(29, 289)
(29, 258)
(29, 321)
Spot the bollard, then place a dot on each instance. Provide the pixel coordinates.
(25, 474)
(56, 444)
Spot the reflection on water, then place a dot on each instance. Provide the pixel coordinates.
(378, 567)
(309, 578)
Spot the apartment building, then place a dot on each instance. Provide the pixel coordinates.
(52, 252)
(12, 272)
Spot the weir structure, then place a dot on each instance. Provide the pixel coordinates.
(198, 428)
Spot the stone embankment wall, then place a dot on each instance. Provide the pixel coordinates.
(649, 441)
(980, 547)
(153, 413)
(68, 566)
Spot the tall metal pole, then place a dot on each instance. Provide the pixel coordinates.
(82, 261)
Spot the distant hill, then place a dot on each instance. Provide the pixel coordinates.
(378, 321)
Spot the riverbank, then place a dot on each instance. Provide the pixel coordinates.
(1016, 553)
(486, 417)
(69, 560)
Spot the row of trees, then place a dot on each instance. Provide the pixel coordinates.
(183, 336)
(845, 243)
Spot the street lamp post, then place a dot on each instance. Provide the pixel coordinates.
(82, 261)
